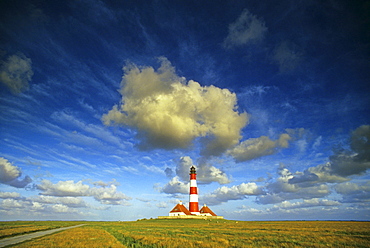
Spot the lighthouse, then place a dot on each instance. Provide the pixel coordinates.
(193, 195)
(181, 212)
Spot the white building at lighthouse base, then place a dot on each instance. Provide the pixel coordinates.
(181, 212)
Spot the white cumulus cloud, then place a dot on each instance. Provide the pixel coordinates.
(10, 175)
(206, 173)
(8, 172)
(285, 188)
(63, 188)
(258, 147)
(175, 186)
(75, 202)
(109, 195)
(236, 192)
(105, 195)
(354, 192)
(314, 202)
(343, 163)
(9, 195)
(170, 113)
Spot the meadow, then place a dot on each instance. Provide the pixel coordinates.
(13, 228)
(200, 233)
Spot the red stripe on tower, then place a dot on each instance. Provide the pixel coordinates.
(193, 196)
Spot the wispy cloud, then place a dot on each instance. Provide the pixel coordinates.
(161, 205)
(97, 131)
(287, 56)
(247, 29)
(16, 72)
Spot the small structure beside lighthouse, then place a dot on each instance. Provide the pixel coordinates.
(180, 211)
(205, 211)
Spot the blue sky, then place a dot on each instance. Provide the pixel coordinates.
(105, 105)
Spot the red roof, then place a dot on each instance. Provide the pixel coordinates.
(205, 210)
(180, 208)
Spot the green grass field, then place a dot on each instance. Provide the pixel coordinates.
(197, 233)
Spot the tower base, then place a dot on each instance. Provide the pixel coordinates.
(201, 217)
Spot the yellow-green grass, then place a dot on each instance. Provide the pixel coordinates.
(204, 233)
(215, 233)
(92, 237)
(13, 228)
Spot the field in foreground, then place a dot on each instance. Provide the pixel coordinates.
(195, 233)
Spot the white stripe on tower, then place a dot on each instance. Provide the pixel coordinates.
(193, 196)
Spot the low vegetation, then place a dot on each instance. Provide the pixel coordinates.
(77, 237)
(206, 233)
(13, 228)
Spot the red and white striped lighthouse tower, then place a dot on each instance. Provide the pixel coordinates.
(193, 196)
